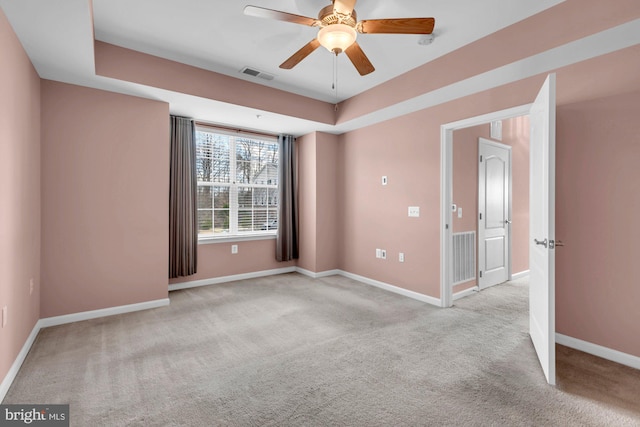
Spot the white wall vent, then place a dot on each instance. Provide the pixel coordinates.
(256, 73)
(464, 256)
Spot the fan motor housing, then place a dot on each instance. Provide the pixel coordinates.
(327, 17)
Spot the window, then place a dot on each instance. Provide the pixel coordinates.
(237, 183)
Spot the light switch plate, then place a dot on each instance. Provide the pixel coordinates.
(384, 180)
(234, 249)
(414, 211)
(459, 212)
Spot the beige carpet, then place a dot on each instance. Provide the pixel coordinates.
(289, 350)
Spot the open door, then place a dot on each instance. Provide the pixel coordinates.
(542, 321)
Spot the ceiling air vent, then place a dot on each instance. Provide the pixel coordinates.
(256, 73)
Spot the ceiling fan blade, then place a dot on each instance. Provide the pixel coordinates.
(261, 12)
(344, 7)
(359, 59)
(397, 26)
(300, 55)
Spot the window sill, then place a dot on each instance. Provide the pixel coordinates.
(245, 238)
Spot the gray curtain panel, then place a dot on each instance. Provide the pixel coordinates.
(183, 223)
(287, 238)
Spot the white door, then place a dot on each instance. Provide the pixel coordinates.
(494, 188)
(542, 227)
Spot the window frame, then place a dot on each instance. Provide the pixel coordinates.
(234, 234)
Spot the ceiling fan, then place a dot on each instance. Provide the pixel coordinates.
(339, 27)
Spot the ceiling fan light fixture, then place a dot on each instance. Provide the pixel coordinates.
(337, 38)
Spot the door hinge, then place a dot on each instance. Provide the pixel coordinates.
(480, 215)
(481, 273)
(480, 159)
(446, 226)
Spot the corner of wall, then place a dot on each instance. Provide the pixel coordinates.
(20, 190)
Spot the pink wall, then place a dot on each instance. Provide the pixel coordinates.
(317, 177)
(465, 185)
(19, 194)
(326, 207)
(307, 201)
(105, 176)
(597, 205)
(307, 207)
(465, 175)
(406, 150)
(515, 132)
(216, 260)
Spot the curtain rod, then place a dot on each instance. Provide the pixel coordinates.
(236, 130)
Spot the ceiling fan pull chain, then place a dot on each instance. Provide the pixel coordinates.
(335, 80)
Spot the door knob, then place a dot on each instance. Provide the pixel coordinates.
(507, 221)
(541, 242)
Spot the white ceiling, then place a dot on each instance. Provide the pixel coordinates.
(217, 36)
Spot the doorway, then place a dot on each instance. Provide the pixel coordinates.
(446, 193)
(508, 243)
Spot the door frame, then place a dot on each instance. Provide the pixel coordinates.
(446, 191)
(509, 149)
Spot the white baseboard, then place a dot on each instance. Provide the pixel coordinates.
(308, 273)
(394, 289)
(15, 367)
(319, 274)
(519, 275)
(466, 292)
(600, 351)
(104, 312)
(232, 278)
(372, 282)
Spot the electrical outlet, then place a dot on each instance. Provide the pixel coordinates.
(234, 249)
(401, 257)
(414, 211)
(31, 286)
(378, 253)
(383, 254)
(4, 316)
